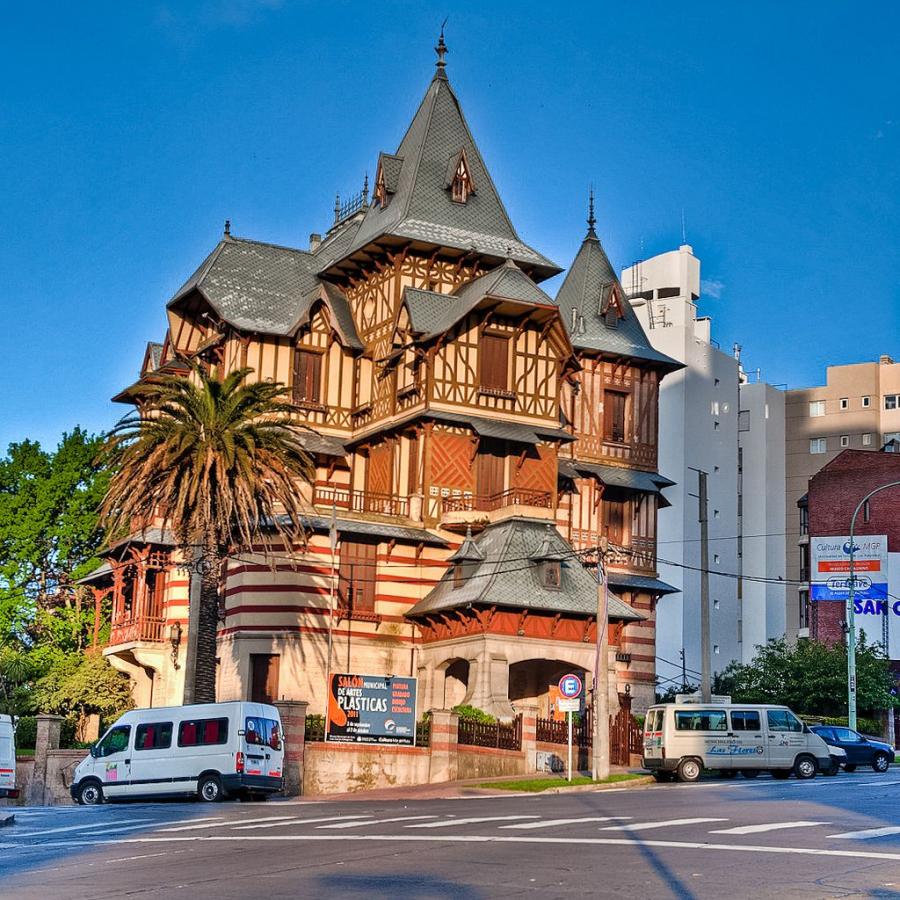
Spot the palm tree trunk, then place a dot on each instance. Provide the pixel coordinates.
(208, 626)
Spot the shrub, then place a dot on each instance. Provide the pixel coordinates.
(473, 714)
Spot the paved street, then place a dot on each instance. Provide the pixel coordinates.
(831, 837)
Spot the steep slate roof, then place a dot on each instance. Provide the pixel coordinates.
(505, 577)
(432, 313)
(584, 289)
(421, 208)
(624, 581)
(266, 288)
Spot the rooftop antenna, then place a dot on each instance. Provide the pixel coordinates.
(592, 220)
(441, 51)
(683, 229)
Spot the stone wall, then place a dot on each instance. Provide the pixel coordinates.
(53, 788)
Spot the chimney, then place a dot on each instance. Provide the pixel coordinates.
(885, 360)
(315, 241)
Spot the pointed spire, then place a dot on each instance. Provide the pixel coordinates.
(442, 51)
(591, 221)
(468, 550)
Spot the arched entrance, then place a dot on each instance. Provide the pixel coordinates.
(534, 681)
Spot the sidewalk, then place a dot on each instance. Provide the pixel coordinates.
(454, 790)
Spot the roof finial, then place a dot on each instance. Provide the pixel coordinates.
(337, 207)
(228, 228)
(441, 51)
(592, 221)
(365, 190)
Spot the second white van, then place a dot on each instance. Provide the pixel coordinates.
(210, 750)
(683, 738)
(7, 758)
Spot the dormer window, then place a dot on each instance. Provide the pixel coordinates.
(552, 574)
(611, 307)
(380, 194)
(457, 575)
(459, 177)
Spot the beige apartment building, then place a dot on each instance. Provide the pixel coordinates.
(858, 407)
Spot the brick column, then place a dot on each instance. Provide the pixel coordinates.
(529, 735)
(48, 732)
(444, 736)
(293, 724)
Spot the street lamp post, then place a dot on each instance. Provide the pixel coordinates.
(851, 613)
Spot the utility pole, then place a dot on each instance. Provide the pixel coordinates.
(189, 692)
(683, 671)
(705, 691)
(600, 742)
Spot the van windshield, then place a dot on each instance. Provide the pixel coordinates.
(262, 732)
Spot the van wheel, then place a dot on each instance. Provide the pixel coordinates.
(781, 774)
(689, 770)
(750, 773)
(833, 769)
(805, 767)
(90, 793)
(881, 763)
(210, 789)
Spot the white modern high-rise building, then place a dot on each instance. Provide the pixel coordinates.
(699, 431)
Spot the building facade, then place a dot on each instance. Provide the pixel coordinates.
(475, 441)
(858, 408)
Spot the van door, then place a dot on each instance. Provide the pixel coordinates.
(653, 734)
(785, 738)
(748, 749)
(113, 760)
(264, 751)
(151, 761)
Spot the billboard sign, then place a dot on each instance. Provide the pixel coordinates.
(830, 569)
(371, 709)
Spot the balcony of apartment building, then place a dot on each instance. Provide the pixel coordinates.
(137, 606)
(458, 511)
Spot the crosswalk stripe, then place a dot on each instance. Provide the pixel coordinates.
(273, 824)
(215, 823)
(374, 822)
(642, 826)
(82, 827)
(867, 833)
(448, 823)
(551, 823)
(769, 826)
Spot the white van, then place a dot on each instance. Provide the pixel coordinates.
(683, 738)
(211, 750)
(7, 758)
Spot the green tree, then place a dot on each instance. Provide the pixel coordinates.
(810, 677)
(221, 461)
(49, 534)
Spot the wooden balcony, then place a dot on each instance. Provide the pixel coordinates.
(641, 554)
(141, 628)
(361, 502)
(471, 510)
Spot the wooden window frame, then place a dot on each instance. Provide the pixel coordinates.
(609, 433)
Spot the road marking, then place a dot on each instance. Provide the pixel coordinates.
(867, 833)
(273, 824)
(551, 823)
(448, 823)
(81, 827)
(215, 823)
(770, 826)
(874, 783)
(374, 822)
(496, 839)
(643, 826)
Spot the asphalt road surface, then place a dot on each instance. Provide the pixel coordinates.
(830, 837)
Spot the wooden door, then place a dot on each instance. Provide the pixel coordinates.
(379, 471)
(490, 464)
(264, 673)
(356, 579)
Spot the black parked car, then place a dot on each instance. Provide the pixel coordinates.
(861, 750)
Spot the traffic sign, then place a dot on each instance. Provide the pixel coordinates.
(564, 704)
(570, 686)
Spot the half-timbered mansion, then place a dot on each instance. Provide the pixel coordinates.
(475, 439)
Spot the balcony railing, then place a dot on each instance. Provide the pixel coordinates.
(514, 497)
(141, 628)
(361, 501)
(640, 555)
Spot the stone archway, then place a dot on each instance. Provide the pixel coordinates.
(531, 680)
(456, 683)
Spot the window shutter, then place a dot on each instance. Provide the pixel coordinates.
(494, 362)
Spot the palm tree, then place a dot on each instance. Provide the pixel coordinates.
(219, 462)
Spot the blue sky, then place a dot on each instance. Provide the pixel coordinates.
(130, 131)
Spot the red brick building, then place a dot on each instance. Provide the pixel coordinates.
(834, 493)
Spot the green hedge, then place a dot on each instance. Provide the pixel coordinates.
(473, 714)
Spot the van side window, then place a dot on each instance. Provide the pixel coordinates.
(202, 732)
(745, 720)
(701, 720)
(153, 736)
(782, 720)
(114, 741)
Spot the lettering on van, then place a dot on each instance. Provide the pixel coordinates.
(733, 750)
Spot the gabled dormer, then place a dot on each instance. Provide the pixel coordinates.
(459, 179)
(387, 177)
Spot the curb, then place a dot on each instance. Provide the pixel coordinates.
(7, 820)
(643, 781)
